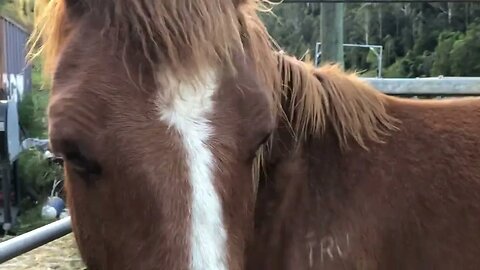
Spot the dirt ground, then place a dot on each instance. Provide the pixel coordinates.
(61, 254)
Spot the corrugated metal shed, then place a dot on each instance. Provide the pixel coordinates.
(16, 75)
(15, 81)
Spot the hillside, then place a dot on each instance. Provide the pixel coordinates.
(419, 39)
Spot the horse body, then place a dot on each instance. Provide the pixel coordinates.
(408, 201)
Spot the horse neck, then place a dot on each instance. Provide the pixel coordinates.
(298, 197)
(324, 153)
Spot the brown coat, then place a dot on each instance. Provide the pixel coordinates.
(412, 202)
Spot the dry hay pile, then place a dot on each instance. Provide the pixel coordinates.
(59, 254)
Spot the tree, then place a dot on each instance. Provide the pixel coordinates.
(465, 54)
(414, 35)
(442, 64)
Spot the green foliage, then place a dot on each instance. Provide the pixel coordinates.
(37, 172)
(465, 54)
(32, 113)
(419, 39)
(34, 170)
(442, 63)
(30, 220)
(32, 109)
(295, 28)
(457, 53)
(21, 11)
(399, 69)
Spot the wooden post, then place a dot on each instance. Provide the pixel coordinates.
(332, 33)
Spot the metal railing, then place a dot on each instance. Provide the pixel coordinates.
(431, 86)
(23, 243)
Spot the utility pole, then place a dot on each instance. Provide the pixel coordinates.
(332, 33)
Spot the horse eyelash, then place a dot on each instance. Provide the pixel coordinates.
(81, 164)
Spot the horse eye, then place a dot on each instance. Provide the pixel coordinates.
(74, 156)
(82, 165)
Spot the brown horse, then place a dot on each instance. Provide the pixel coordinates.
(355, 179)
(158, 109)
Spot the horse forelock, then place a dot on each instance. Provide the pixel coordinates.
(186, 35)
(50, 30)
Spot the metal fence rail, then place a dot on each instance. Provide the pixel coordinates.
(433, 86)
(23, 243)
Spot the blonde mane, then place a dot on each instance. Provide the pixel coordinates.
(186, 35)
(314, 98)
(350, 105)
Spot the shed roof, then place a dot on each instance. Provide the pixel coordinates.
(14, 22)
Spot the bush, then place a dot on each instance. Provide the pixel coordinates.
(38, 173)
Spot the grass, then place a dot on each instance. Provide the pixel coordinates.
(30, 220)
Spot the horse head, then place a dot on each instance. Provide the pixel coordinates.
(158, 109)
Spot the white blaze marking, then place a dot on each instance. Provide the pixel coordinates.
(187, 111)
